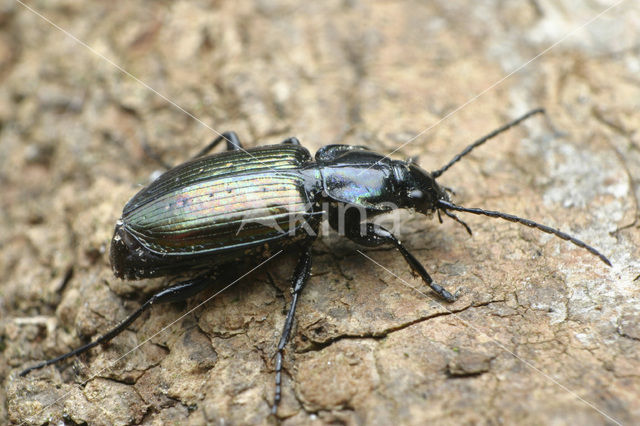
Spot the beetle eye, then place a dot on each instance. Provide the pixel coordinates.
(415, 194)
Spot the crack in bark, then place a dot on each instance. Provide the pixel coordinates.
(378, 335)
(623, 334)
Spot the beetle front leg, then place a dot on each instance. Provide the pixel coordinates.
(376, 235)
(231, 138)
(175, 293)
(300, 278)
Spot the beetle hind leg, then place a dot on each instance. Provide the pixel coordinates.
(175, 293)
(300, 277)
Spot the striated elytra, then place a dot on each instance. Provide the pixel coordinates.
(241, 206)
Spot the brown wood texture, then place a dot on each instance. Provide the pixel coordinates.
(543, 332)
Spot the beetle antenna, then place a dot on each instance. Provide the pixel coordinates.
(485, 138)
(446, 205)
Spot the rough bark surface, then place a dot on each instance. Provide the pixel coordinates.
(543, 332)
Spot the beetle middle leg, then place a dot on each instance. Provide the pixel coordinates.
(331, 152)
(300, 278)
(175, 293)
(291, 141)
(231, 138)
(376, 235)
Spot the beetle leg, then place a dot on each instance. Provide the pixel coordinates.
(300, 277)
(376, 235)
(233, 143)
(331, 152)
(457, 219)
(175, 293)
(291, 141)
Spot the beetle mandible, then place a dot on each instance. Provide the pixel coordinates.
(194, 217)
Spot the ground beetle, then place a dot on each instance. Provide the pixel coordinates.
(194, 217)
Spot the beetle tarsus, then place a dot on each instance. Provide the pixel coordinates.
(442, 292)
(175, 293)
(300, 277)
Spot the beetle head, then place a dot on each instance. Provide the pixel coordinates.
(423, 192)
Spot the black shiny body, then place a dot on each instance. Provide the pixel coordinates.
(243, 206)
(227, 207)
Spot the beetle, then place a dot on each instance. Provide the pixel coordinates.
(193, 218)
